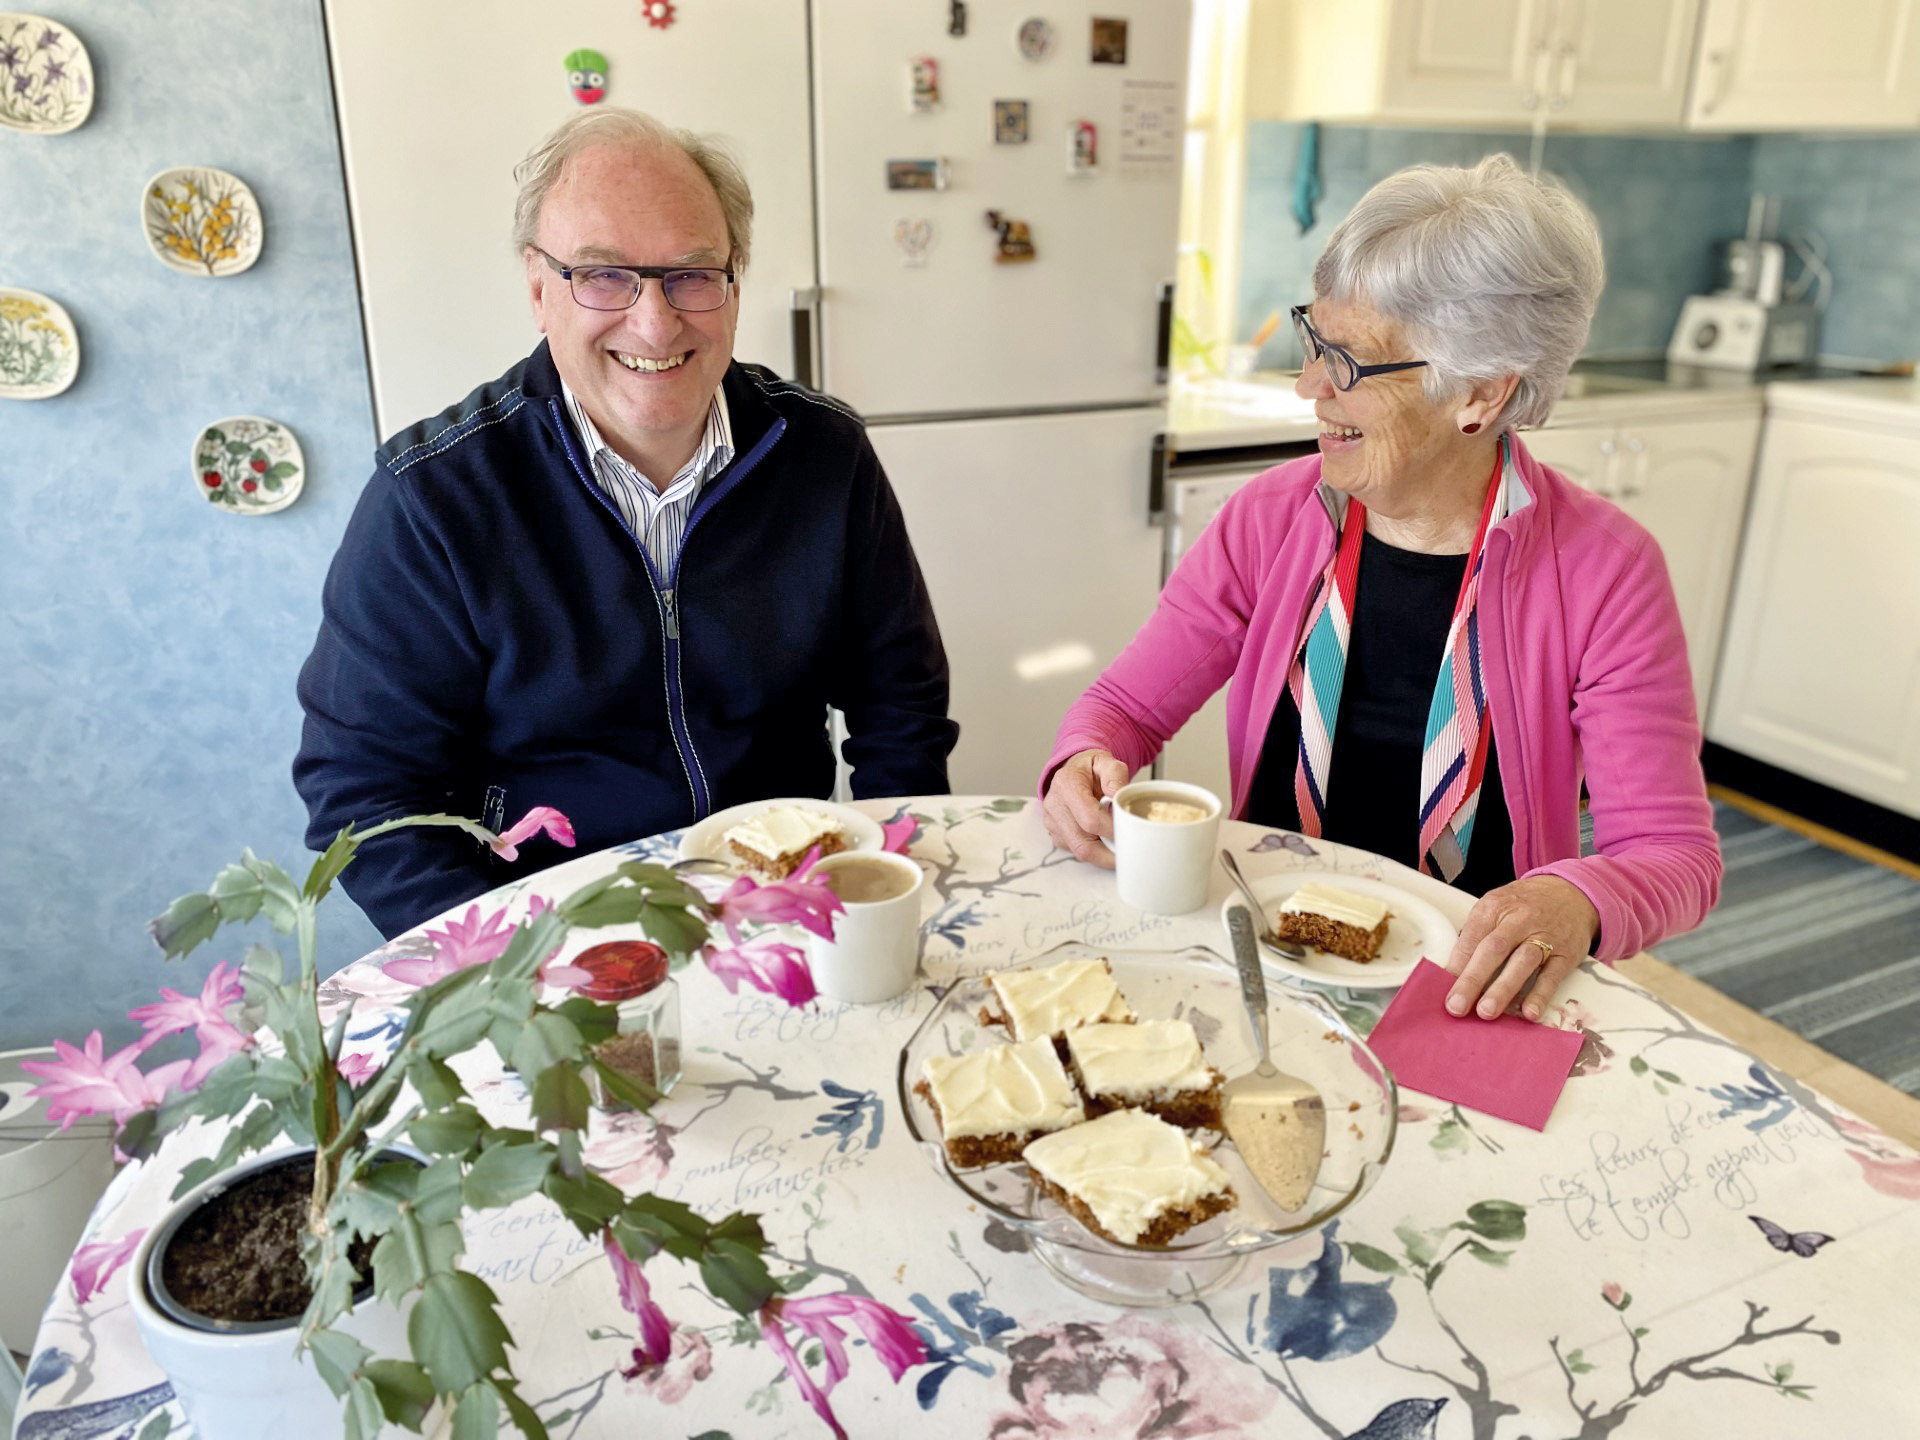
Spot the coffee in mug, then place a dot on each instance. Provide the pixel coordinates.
(858, 880)
(1165, 810)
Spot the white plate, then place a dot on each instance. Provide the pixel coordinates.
(202, 221)
(248, 465)
(706, 840)
(1416, 929)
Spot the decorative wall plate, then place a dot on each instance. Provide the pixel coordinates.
(1034, 39)
(248, 465)
(46, 77)
(202, 221)
(39, 348)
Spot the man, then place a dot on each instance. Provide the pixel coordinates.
(627, 578)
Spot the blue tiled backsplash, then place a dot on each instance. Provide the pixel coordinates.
(1664, 205)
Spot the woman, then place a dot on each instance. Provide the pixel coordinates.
(1468, 634)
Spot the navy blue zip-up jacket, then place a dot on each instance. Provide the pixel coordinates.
(494, 637)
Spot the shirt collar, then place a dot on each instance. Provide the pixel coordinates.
(715, 450)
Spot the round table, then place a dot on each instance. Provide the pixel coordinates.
(1640, 1298)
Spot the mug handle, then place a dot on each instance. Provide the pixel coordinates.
(1106, 803)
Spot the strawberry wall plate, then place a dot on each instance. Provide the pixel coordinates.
(249, 466)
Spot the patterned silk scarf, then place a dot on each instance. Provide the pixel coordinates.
(1456, 742)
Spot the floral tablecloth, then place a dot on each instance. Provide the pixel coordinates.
(1696, 1244)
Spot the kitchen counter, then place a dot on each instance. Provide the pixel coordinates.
(1885, 402)
(1211, 415)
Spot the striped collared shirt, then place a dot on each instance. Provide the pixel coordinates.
(657, 517)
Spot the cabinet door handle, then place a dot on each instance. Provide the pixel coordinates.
(1537, 74)
(1720, 66)
(803, 308)
(1569, 68)
(1636, 481)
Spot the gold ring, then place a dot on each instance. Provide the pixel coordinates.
(1546, 950)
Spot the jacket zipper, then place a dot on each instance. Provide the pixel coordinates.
(666, 596)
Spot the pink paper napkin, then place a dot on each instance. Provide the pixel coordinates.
(1507, 1067)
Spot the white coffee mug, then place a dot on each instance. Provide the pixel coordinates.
(875, 951)
(1164, 864)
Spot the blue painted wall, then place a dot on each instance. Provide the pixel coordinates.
(149, 642)
(1664, 203)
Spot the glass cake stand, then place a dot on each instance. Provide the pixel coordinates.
(1309, 1039)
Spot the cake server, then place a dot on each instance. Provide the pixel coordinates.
(1276, 1121)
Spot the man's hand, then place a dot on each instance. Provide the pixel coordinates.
(1075, 817)
(1541, 924)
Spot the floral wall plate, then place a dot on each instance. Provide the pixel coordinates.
(202, 221)
(248, 465)
(46, 77)
(39, 348)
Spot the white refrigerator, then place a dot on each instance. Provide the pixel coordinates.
(1014, 398)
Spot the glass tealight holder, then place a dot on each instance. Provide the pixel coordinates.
(631, 975)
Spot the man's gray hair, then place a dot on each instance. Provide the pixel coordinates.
(1489, 270)
(612, 125)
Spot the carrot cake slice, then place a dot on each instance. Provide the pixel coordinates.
(774, 842)
(1336, 921)
(1153, 1065)
(1131, 1177)
(1037, 1003)
(993, 1102)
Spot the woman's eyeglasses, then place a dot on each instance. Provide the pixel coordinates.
(1342, 369)
(616, 287)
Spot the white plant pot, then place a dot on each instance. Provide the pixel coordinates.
(244, 1381)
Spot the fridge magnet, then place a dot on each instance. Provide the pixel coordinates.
(659, 13)
(1009, 122)
(923, 84)
(587, 74)
(915, 239)
(1151, 126)
(917, 174)
(46, 76)
(1083, 148)
(1016, 239)
(956, 18)
(1034, 38)
(1109, 41)
(202, 221)
(249, 466)
(39, 348)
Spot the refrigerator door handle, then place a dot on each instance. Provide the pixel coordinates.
(1157, 462)
(1163, 336)
(805, 306)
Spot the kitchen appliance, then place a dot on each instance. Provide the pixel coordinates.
(1012, 372)
(1756, 320)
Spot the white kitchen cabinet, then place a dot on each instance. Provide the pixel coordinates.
(1686, 480)
(1788, 65)
(1473, 62)
(1821, 669)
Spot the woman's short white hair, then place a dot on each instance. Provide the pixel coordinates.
(613, 125)
(1489, 271)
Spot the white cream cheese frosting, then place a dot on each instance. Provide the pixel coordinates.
(1003, 1090)
(1128, 1167)
(1363, 912)
(1139, 1061)
(782, 830)
(1060, 997)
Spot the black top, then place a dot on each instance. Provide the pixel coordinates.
(1404, 606)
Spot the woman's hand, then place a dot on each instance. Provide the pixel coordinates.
(1075, 817)
(1541, 924)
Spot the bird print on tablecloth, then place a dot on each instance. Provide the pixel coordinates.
(1403, 1420)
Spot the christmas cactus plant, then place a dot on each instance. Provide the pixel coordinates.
(270, 1068)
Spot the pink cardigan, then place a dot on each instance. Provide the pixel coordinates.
(1586, 675)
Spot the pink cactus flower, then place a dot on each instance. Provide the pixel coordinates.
(356, 1070)
(95, 1263)
(636, 1297)
(770, 965)
(794, 901)
(896, 835)
(82, 1082)
(470, 940)
(542, 817)
(890, 1333)
(205, 1015)
(690, 1363)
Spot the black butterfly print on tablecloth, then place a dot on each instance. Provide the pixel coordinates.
(1803, 1243)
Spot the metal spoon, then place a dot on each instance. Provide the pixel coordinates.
(702, 865)
(1261, 933)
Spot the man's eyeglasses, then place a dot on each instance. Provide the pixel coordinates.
(1342, 369)
(616, 287)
